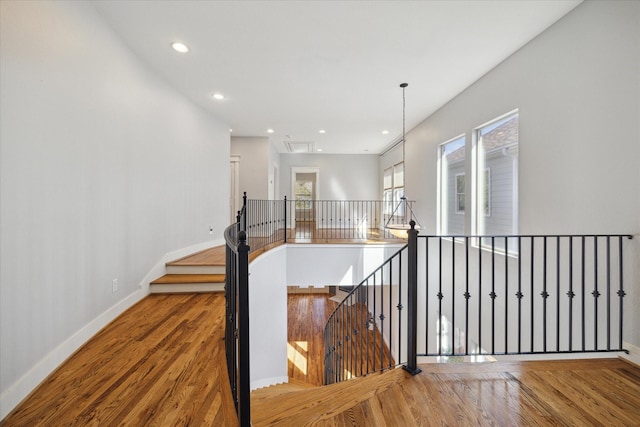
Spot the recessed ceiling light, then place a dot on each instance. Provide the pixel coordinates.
(180, 47)
(218, 96)
(230, 130)
(385, 132)
(319, 149)
(322, 131)
(270, 131)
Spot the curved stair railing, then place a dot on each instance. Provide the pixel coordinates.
(364, 333)
(237, 316)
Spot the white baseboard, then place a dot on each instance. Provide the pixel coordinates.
(634, 353)
(19, 390)
(266, 382)
(29, 381)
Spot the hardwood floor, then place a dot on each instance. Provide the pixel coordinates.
(550, 393)
(162, 364)
(307, 315)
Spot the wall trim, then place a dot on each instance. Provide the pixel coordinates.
(634, 353)
(22, 388)
(266, 382)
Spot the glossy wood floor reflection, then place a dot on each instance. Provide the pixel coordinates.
(542, 393)
(307, 315)
(161, 363)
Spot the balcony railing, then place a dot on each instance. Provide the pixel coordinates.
(439, 295)
(271, 222)
(481, 295)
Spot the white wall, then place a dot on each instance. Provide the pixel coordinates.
(299, 265)
(268, 318)
(104, 170)
(577, 88)
(342, 176)
(350, 264)
(254, 155)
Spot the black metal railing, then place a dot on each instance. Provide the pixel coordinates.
(364, 334)
(535, 294)
(481, 295)
(325, 220)
(237, 316)
(271, 222)
(464, 295)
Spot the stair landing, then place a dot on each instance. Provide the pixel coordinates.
(203, 271)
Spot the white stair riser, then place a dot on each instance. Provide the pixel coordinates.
(175, 288)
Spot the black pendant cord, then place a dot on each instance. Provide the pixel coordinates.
(403, 200)
(403, 86)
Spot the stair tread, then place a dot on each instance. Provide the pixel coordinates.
(279, 390)
(189, 278)
(208, 257)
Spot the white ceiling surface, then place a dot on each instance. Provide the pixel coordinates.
(301, 66)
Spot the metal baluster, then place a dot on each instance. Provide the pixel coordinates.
(544, 294)
(466, 295)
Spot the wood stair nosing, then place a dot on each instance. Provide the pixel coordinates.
(189, 278)
(279, 390)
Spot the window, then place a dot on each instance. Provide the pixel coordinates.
(393, 183)
(452, 200)
(460, 193)
(496, 177)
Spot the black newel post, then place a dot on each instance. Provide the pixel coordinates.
(412, 312)
(285, 219)
(244, 387)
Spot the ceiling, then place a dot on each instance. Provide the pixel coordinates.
(299, 67)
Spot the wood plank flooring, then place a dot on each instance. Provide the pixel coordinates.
(542, 393)
(162, 364)
(307, 315)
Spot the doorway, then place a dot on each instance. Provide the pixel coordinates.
(305, 191)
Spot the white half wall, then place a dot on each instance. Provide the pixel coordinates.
(302, 265)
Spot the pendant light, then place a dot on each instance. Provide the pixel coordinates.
(402, 215)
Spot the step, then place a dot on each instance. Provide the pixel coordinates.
(176, 283)
(340, 296)
(207, 261)
(279, 390)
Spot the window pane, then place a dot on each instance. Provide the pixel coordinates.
(388, 178)
(398, 175)
(452, 187)
(497, 177)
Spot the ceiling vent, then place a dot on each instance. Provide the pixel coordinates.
(299, 147)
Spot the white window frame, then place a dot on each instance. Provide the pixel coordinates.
(477, 211)
(441, 191)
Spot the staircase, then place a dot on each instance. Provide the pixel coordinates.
(202, 271)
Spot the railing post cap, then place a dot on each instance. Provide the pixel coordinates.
(242, 236)
(412, 223)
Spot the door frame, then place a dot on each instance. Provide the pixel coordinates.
(303, 169)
